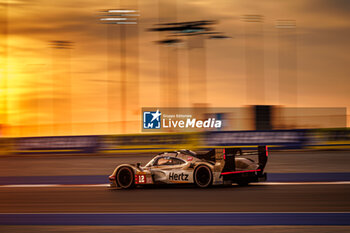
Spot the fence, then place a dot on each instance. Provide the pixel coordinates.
(276, 139)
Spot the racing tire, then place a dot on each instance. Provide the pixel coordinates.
(125, 178)
(203, 176)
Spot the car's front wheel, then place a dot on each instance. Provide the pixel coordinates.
(125, 177)
(203, 176)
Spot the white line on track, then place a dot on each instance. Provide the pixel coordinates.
(214, 212)
(302, 183)
(107, 185)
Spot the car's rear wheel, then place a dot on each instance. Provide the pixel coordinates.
(125, 177)
(203, 176)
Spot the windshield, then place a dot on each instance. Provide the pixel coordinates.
(164, 158)
(164, 161)
(150, 163)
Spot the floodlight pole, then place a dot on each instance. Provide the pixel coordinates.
(121, 17)
(195, 30)
(255, 91)
(287, 60)
(5, 122)
(123, 98)
(56, 111)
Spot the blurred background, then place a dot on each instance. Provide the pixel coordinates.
(87, 67)
(75, 76)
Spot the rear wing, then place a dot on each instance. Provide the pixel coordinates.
(229, 155)
(263, 153)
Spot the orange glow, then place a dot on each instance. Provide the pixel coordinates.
(48, 91)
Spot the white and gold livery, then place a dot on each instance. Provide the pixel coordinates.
(216, 167)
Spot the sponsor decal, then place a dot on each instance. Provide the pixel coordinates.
(178, 177)
(142, 179)
(149, 180)
(189, 158)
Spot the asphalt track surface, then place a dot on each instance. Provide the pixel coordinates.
(180, 229)
(302, 198)
(255, 198)
(58, 165)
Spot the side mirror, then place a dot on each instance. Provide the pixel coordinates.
(138, 166)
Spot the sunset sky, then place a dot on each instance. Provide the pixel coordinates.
(37, 75)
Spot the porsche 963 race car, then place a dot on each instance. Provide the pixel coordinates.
(216, 167)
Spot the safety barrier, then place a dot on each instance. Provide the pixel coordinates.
(328, 139)
(59, 144)
(275, 139)
(148, 142)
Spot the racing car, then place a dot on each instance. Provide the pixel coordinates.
(215, 167)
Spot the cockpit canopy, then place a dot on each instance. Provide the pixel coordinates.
(170, 158)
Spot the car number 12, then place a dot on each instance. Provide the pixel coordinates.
(141, 179)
